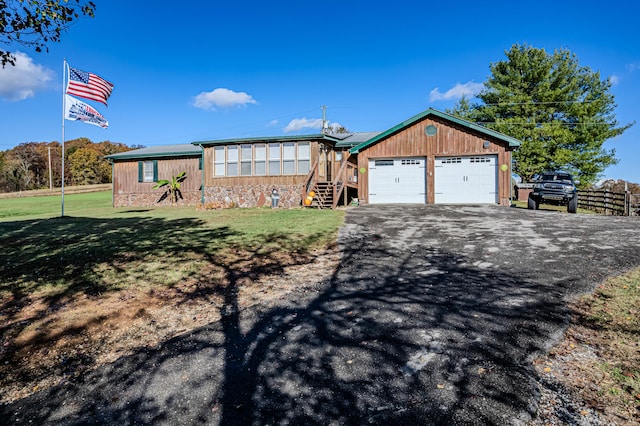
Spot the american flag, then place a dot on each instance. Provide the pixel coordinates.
(88, 85)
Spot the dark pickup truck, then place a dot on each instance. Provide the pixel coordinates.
(556, 188)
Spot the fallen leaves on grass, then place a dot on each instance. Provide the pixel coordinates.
(44, 345)
(599, 358)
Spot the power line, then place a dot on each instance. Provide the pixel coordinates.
(541, 123)
(540, 103)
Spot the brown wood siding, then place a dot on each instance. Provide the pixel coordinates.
(125, 175)
(450, 140)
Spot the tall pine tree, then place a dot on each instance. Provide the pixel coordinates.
(562, 112)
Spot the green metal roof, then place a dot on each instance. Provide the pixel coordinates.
(182, 150)
(354, 139)
(267, 139)
(512, 142)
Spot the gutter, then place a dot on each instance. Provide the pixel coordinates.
(202, 172)
(113, 183)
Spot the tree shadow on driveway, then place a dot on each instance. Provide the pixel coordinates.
(398, 335)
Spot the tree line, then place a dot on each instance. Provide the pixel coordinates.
(38, 165)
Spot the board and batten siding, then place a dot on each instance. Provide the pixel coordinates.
(127, 191)
(450, 140)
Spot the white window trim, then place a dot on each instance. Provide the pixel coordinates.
(222, 164)
(217, 162)
(147, 171)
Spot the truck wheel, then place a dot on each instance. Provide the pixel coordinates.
(572, 206)
(532, 204)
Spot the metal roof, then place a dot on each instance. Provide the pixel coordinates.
(181, 150)
(512, 142)
(266, 139)
(354, 139)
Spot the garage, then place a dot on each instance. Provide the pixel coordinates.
(397, 180)
(464, 180)
(457, 162)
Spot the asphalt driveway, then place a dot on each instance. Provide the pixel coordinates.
(433, 317)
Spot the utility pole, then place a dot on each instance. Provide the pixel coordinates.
(50, 179)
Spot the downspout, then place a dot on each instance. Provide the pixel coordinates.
(511, 176)
(202, 173)
(113, 183)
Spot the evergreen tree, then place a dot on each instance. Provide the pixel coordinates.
(561, 111)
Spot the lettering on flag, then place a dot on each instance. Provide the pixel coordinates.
(88, 85)
(77, 110)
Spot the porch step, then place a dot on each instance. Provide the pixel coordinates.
(324, 195)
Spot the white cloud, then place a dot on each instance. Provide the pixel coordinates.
(222, 98)
(633, 67)
(298, 124)
(469, 89)
(273, 123)
(21, 81)
(616, 79)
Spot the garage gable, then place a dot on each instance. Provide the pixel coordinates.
(456, 162)
(510, 142)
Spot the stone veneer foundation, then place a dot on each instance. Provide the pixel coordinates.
(151, 199)
(253, 195)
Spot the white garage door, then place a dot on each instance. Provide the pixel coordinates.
(464, 180)
(397, 180)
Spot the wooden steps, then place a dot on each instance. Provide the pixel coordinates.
(324, 195)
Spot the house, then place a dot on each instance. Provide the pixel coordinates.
(136, 172)
(432, 158)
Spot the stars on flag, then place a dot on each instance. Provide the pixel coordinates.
(88, 85)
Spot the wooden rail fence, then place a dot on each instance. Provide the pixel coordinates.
(78, 189)
(609, 202)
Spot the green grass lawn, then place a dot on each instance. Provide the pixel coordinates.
(51, 206)
(97, 248)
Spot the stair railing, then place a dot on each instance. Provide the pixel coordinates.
(339, 181)
(310, 181)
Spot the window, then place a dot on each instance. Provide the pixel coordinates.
(410, 162)
(218, 161)
(274, 159)
(148, 171)
(246, 158)
(304, 158)
(288, 158)
(451, 160)
(232, 161)
(480, 160)
(260, 160)
(379, 163)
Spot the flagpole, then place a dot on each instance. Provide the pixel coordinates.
(64, 73)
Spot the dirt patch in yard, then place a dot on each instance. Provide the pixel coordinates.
(593, 375)
(45, 344)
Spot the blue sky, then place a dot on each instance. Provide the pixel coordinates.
(201, 70)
